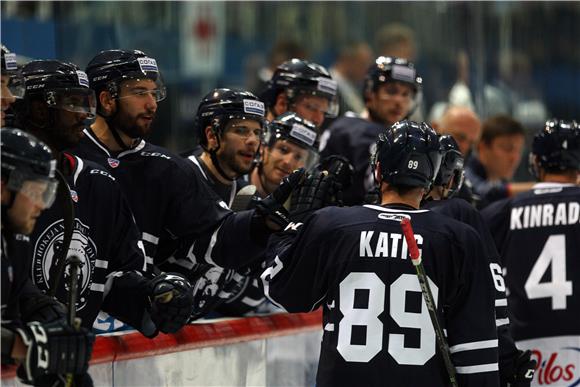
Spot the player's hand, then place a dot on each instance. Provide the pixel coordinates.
(523, 371)
(42, 308)
(340, 168)
(54, 349)
(171, 301)
(82, 380)
(212, 285)
(271, 208)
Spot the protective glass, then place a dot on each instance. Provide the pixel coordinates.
(298, 155)
(243, 130)
(75, 100)
(39, 189)
(143, 88)
(329, 110)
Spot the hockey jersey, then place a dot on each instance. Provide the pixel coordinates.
(462, 211)
(355, 139)
(377, 331)
(106, 240)
(171, 203)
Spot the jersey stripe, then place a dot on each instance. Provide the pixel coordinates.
(474, 345)
(501, 302)
(477, 368)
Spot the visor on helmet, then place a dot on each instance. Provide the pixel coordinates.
(75, 100)
(302, 140)
(15, 85)
(41, 190)
(242, 130)
(135, 87)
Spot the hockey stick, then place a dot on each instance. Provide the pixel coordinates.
(75, 322)
(428, 297)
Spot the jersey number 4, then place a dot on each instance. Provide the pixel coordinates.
(366, 319)
(554, 252)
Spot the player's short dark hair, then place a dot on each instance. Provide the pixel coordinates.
(500, 125)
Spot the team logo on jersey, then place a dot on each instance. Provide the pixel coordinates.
(552, 370)
(114, 163)
(74, 196)
(44, 267)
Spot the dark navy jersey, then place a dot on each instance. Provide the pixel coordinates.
(16, 258)
(106, 240)
(377, 331)
(486, 191)
(462, 211)
(538, 236)
(355, 139)
(173, 205)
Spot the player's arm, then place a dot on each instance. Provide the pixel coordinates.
(470, 317)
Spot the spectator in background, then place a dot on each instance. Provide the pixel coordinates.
(396, 40)
(499, 153)
(463, 124)
(349, 72)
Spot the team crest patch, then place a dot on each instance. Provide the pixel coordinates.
(44, 267)
(114, 163)
(74, 196)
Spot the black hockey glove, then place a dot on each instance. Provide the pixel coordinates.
(523, 370)
(340, 168)
(171, 301)
(271, 209)
(42, 308)
(212, 286)
(54, 349)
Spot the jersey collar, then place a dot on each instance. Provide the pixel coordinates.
(91, 136)
(395, 208)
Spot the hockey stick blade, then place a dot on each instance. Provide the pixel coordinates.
(243, 198)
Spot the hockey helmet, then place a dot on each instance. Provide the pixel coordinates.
(408, 153)
(451, 166)
(25, 158)
(10, 68)
(300, 77)
(556, 147)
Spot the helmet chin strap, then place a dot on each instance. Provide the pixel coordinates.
(115, 132)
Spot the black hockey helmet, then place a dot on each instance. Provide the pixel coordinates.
(299, 77)
(60, 85)
(557, 147)
(390, 69)
(408, 153)
(109, 69)
(10, 68)
(220, 106)
(291, 127)
(25, 158)
(451, 165)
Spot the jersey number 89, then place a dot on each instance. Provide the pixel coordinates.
(374, 328)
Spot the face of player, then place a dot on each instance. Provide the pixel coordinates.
(280, 160)
(26, 207)
(69, 128)
(502, 156)
(311, 108)
(238, 146)
(465, 132)
(391, 102)
(7, 97)
(136, 106)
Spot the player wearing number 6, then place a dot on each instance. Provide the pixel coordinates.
(537, 234)
(354, 263)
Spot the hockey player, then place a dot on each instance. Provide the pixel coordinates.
(353, 262)
(537, 234)
(515, 367)
(170, 202)
(229, 124)
(389, 92)
(303, 87)
(12, 85)
(46, 349)
(291, 143)
(92, 218)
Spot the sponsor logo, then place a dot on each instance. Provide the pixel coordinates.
(148, 64)
(83, 79)
(10, 60)
(302, 133)
(326, 85)
(44, 264)
(395, 217)
(114, 163)
(74, 196)
(551, 370)
(155, 154)
(254, 107)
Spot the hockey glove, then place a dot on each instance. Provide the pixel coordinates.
(54, 348)
(82, 380)
(271, 209)
(171, 301)
(340, 168)
(523, 370)
(42, 308)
